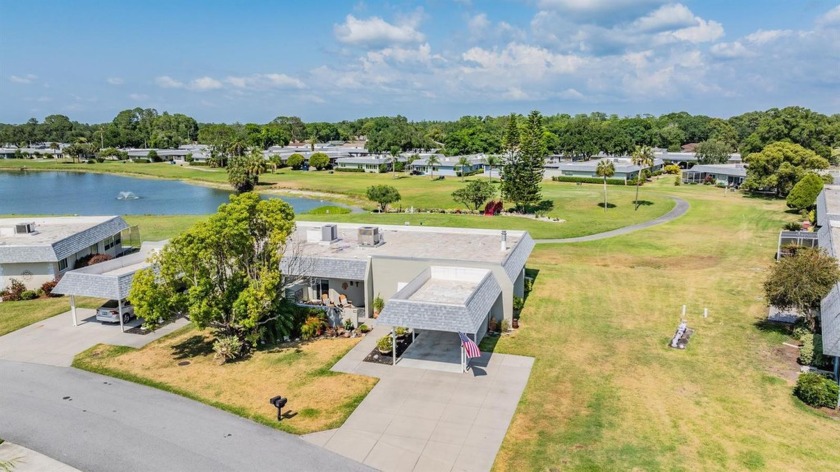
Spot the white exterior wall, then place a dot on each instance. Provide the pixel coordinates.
(33, 275)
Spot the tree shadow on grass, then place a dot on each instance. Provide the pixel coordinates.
(194, 346)
(768, 326)
(643, 202)
(609, 205)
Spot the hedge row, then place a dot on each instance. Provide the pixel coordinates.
(589, 180)
(348, 169)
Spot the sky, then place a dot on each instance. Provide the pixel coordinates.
(229, 61)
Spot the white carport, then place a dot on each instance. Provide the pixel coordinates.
(110, 279)
(446, 299)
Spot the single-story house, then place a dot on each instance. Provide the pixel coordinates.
(688, 159)
(731, 175)
(38, 250)
(828, 222)
(448, 165)
(34, 151)
(368, 164)
(624, 168)
(425, 275)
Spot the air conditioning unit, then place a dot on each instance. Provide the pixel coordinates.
(369, 236)
(24, 228)
(329, 233)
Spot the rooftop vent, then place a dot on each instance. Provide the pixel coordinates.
(369, 236)
(24, 228)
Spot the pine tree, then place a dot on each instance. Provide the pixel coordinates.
(523, 170)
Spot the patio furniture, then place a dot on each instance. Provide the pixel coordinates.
(343, 301)
(325, 299)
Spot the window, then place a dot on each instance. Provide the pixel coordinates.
(117, 239)
(62, 264)
(94, 249)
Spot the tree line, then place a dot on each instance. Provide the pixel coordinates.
(580, 136)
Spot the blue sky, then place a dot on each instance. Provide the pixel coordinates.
(438, 59)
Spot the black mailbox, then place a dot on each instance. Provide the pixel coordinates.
(279, 402)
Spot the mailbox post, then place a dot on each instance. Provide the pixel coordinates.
(279, 402)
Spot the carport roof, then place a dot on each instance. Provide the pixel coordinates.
(110, 279)
(454, 299)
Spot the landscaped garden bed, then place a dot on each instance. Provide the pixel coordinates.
(386, 356)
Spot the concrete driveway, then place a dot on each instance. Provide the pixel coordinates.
(419, 419)
(55, 341)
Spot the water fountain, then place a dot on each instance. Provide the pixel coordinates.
(127, 196)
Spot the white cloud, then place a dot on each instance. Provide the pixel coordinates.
(478, 24)
(703, 32)
(204, 83)
(376, 32)
(138, 97)
(766, 36)
(115, 80)
(666, 17)
(830, 18)
(23, 79)
(168, 82)
(265, 81)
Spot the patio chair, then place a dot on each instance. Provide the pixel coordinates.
(325, 299)
(343, 301)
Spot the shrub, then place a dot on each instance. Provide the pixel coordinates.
(13, 293)
(793, 226)
(677, 181)
(312, 327)
(227, 348)
(48, 287)
(348, 169)
(28, 295)
(142, 161)
(385, 343)
(529, 284)
(348, 324)
(378, 304)
(816, 390)
(587, 180)
(819, 359)
(328, 210)
(364, 328)
(505, 325)
(672, 169)
(806, 353)
(804, 194)
(518, 303)
(800, 331)
(400, 331)
(91, 259)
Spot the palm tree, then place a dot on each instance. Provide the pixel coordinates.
(642, 157)
(492, 161)
(237, 147)
(431, 162)
(462, 163)
(395, 152)
(605, 169)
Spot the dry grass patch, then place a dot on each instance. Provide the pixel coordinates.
(319, 399)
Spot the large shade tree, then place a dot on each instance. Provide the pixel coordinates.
(801, 281)
(474, 194)
(224, 273)
(779, 166)
(384, 195)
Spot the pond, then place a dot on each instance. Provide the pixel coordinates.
(82, 193)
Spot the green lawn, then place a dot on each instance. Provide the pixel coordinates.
(16, 315)
(607, 394)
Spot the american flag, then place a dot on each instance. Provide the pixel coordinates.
(469, 346)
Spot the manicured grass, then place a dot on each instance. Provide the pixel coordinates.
(16, 315)
(159, 227)
(321, 399)
(328, 210)
(606, 393)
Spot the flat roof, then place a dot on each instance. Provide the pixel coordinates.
(48, 230)
(832, 199)
(424, 242)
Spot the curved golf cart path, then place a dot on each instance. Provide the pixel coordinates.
(679, 210)
(97, 423)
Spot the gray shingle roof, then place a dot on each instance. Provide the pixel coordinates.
(829, 238)
(20, 252)
(110, 279)
(516, 260)
(332, 267)
(400, 310)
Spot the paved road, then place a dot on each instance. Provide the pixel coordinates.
(679, 210)
(97, 423)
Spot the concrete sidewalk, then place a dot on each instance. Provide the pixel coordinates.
(27, 460)
(418, 419)
(55, 341)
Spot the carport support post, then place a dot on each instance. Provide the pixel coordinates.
(73, 309)
(394, 346)
(120, 315)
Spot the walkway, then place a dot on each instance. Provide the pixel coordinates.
(679, 210)
(27, 460)
(55, 341)
(96, 423)
(419, 419)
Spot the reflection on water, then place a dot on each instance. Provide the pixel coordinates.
(103, 194)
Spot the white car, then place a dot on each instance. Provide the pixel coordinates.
(108, 313)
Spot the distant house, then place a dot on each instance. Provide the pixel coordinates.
(371, 165)
(42, 151)
(730, 175)
(624, 168)
(448, 165)
(828, 222)
(38, 250)
(688, 159)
